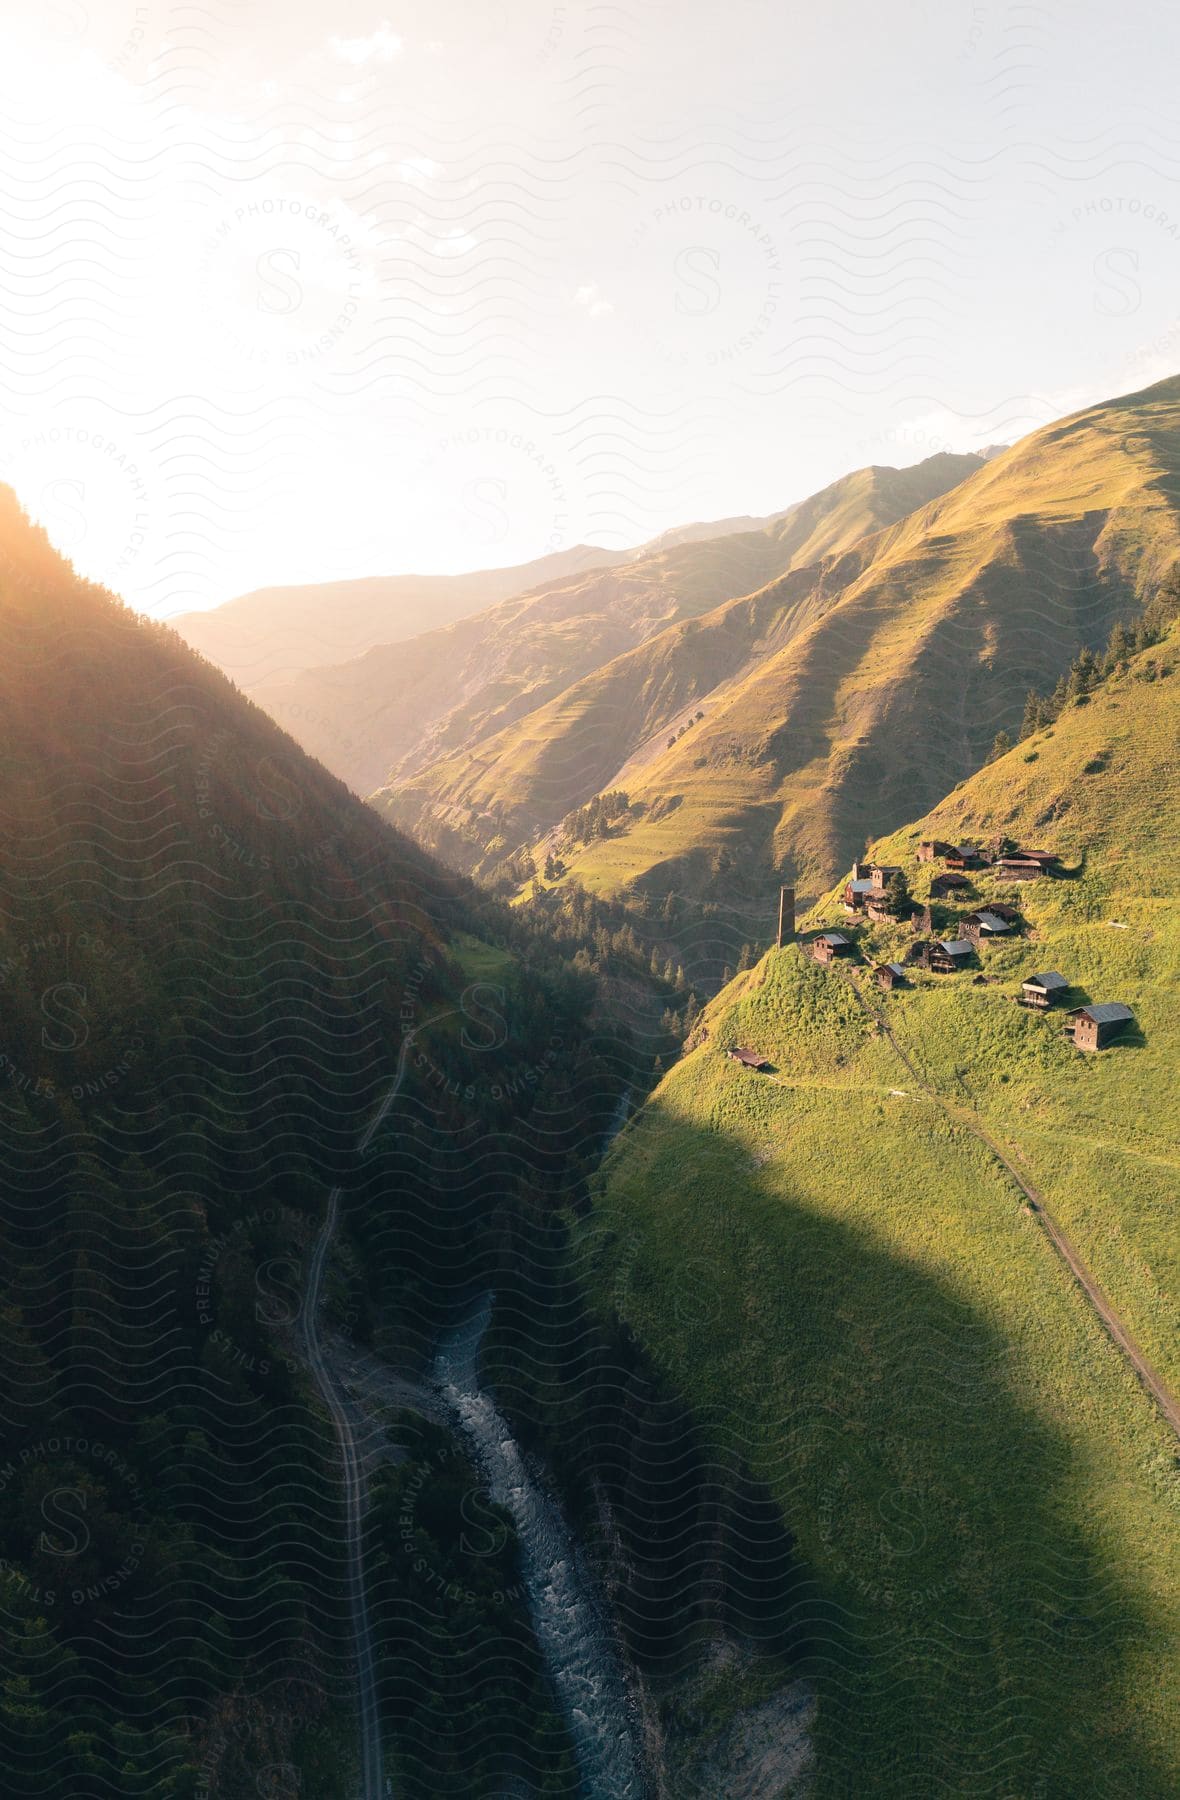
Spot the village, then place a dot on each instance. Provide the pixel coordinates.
(879, 893)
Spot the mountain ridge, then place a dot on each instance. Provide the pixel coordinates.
(894, 666)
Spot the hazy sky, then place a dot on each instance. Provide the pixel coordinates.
(290, 291)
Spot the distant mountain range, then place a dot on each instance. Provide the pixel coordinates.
(401, 707)
(856, 685)
(270, 634)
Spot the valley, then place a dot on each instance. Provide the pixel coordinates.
(641, 1423)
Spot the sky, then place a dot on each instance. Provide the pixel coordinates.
(296, 291)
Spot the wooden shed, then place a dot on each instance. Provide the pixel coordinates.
(829, 945)
(1095, 1026)
(1048, 859)
(749, 1059)
(1043, 990)
(985, 924)
(1019, 868)
(889, 976)
(930, 848)
(963, 856)
(947, 883)
(951, 954)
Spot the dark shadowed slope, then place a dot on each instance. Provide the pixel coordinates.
(210, 956)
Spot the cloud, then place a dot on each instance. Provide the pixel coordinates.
(382, 46)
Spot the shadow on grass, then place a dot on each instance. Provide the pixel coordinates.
(962, 1626)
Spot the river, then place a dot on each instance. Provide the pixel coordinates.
(568, 1616)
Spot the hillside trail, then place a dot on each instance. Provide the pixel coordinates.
(1115, 1327)
(373, 1784)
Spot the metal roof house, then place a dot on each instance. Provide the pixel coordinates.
(985, 924)
(950, 955)
(1096, 1025)
(1043, 990)
(856, 892)
(830, 944)
(889, 975)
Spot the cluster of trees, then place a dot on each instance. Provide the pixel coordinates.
(210, 953)
(1091, 668)
(687, 726)
(596, 819)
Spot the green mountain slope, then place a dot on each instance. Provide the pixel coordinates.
(210, 958)
(402, 707)
(846, 1282)
(565, 736)
(843, 697)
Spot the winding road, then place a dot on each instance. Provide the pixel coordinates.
(1147, 1374)
(372, 1760)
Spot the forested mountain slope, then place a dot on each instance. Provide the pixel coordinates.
(842, 697)
(853, 1290)
(402, 706)
(211, 956)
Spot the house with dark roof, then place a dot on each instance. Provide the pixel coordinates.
(1019, 868)
(749, 1059)
(963, 856)
(930, 848)
(829, 945)
(1048, 859)
(1095, 1026)
(947, 883)
(1043, 990)
(951, 954)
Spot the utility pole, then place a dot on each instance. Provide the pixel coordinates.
(786, 916)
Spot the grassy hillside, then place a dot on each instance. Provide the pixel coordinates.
(210, 954)
(401, 707)
(848, 1285)
(563, 736)
(845, 697)
(268, 635)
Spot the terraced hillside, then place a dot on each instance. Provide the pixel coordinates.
(841, 698)
(402, 706)
(830, 1262)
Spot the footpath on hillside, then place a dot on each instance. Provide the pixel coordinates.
(1149, 1377)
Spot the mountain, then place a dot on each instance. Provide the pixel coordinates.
(838, 698)
(400, 707)
(214, 963)
(267, 635)
(456, 695)
(849, 1267)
